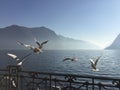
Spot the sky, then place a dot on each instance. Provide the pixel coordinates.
(96, 21)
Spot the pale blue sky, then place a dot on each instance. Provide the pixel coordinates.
(97, 21)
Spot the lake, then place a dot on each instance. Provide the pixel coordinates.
(52, 61)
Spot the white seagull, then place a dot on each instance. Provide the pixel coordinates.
(13, 83)
(70, 58)
(94, 63)
(19, 61)
(34, 49)
(11, 79)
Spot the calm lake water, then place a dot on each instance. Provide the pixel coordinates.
(52, 61)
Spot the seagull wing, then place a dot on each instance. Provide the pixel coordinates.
(26, 56)
(13, 56)
(44, 43)
(97, 60)
(92, 63)
(67, 59)
(28, 46)
(37, 42)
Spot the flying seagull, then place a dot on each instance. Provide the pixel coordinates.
(94, 63)
(70, 58)
(19, 61)
(34, 49)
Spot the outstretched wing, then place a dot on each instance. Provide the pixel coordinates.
(92, 63)
(28, 46)
(37, 42)
(13, 56)
(20, 62)
(26, 56)
(44, 43)
(20, 43)
(41, 45)
(66, 59)
(96, 61)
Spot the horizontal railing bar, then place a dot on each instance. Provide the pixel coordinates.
(81, 76)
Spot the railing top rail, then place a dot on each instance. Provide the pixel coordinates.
(61, 74)
(81, 76)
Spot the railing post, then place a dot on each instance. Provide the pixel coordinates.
(50, 81)
(19, 77)
(55, 83)
(46, 83)
(93, 83)
(99, 85)
(87, 85)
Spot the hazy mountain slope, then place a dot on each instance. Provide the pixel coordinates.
(11, 34)
(115, 44)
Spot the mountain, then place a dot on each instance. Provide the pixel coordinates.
(115, 44)
(11, 34)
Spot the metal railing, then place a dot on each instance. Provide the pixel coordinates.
(14, 78)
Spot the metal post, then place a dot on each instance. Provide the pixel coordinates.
(92, 83)
(50, 81)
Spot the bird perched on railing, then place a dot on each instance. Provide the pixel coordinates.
(11, 80)
(13, 83)
(19, 61)
(94, 63)
(34, 49)
(71, 59)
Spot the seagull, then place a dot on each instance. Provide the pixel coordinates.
(34, 49)
(19, 61)
(40, 45)
(13, 82)
(11, 79)
(94, 63)
(70, 58)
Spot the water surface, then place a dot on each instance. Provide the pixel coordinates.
(52, 61)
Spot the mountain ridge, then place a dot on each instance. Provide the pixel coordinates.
(13, 33)
(115, 44)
